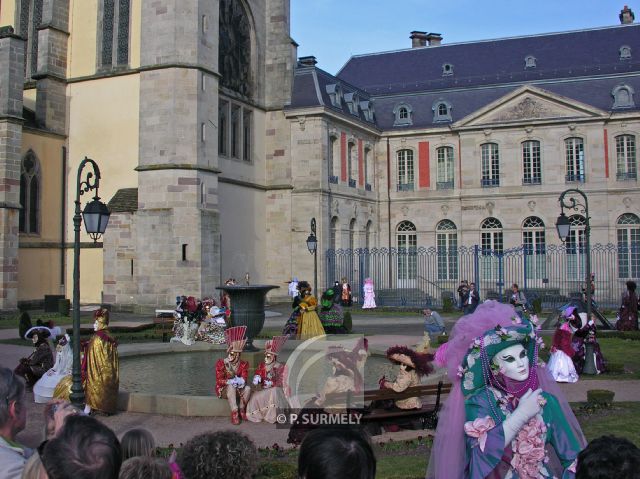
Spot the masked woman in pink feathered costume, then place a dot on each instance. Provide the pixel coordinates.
(505, 416)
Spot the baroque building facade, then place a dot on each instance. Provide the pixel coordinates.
(217, 146)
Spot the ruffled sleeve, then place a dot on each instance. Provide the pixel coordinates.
(561, 436)
(485, 439)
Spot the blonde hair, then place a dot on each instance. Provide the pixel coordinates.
(33, 468)
(145, 468)
(137, 442)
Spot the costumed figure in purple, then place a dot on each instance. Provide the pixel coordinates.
(291, 326)
(628, 313)
(560, 364)
(585, 334)
(505, 416)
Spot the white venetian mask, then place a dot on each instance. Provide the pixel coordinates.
(513, 362)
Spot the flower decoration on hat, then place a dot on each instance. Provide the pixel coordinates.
(235, 338)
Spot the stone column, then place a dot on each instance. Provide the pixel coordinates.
(11, 84)
(53, 33)
(177, 222)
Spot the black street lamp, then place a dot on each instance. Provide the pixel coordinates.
(96, 217)
(564, 227)
(312, 246)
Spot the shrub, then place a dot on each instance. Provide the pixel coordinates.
(600, 397)
(347, 322)
(24, 323)
(274, 469)
(443, 338)
(447, 304)
(536, 305)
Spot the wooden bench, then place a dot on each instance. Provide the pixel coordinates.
(163, 321)
(374, 416)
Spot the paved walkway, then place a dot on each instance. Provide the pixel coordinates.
(175, 429)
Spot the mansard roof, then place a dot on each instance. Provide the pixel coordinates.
(583, 66)
(591, 52)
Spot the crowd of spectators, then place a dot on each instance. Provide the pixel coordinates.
(77, 446)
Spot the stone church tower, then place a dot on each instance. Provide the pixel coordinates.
(210, 72)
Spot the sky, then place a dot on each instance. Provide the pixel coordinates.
(334, 30)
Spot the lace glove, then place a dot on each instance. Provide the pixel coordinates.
(528, 407)
(268, 384)
(257, 379)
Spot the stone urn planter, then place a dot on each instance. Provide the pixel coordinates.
(247, 308)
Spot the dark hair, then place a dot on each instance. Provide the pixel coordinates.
(137, 442)
(608, 457)
(515, 285)
(327, 453)
(145, 467)
(12, 388)
(221, 454)
(83, 449)
(631, 285)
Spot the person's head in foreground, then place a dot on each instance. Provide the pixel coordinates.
(83, 449)
(137, 442)
(329, 453)
(13, 407)
(221, 454)
(609, 457)
(145, 467)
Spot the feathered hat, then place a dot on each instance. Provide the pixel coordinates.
(101, 315)
(42, 331)
(421, 362)
(274, 346)
(235, 338)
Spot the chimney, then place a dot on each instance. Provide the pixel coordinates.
(309, 61)
(626, 16)
(434, 39)
(418, 39)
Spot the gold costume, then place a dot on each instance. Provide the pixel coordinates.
(101, 370)
(309, 324)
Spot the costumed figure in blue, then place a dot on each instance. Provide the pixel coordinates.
(505, 416)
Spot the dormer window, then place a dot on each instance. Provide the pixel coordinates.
(352, 101)
(335, 94)
(403, 114)
(529, 61)
(625, 52)
(441, 111)
(623, 96)
(447, 69)
(367, 110)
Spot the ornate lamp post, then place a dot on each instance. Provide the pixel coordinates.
(96, 217)
(563, 226)
(312, 246)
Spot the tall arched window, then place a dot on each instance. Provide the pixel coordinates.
(30, 20)
(492, 245)
(113, 26)
(574, 154)
(352, 234)
(531, 165)
(490, 165)
(445, 168)
(405, 170)
(447, 248)
(627, 168)
(367, 235)
(234, 48)
(367, 168)
(534, 244)
(407, 241)
(628, 236)
(29, 216)
(333, 158)
(352, 164)
(576, 249)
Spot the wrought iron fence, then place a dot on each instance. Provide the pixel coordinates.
(419, 277)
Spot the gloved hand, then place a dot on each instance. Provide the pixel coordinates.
(528, 407)
(231, 382)
(239, 382)
(257, 379)
(268, 384)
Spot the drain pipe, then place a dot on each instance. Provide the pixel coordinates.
(389, 208)
(63, 204)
